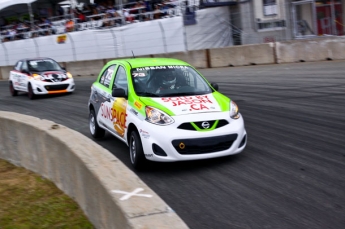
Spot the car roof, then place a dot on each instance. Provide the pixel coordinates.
(147, 62)
(36, 58)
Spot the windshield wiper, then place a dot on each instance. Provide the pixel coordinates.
(147, 94)
(182, 94)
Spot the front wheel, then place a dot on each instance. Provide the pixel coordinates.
(95, 130)
(31, 93)
(13, 91)
(136, 150)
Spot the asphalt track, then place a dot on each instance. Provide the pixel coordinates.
(292, 173)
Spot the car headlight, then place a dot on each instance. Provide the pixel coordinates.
(37, 77)
(69, 75)
(157, 117)
(234, 114)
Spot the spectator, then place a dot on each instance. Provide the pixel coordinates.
(128, 17)
(69, 25)
(80, 15)
(157, 12)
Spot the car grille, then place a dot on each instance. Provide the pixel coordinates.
(54, 80)
(56, 87)
(189, 125)
(204, 145)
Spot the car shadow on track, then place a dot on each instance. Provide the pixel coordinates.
(184, 166)
(41, 97)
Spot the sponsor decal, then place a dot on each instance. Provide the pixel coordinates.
(144, 133)
(18, 79)
(54, 76)
(137, 104)
(162, 67)
(116, 114)
(148, 155)
(199, 102)
(61, 39)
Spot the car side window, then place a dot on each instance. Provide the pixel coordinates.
(107, 75)
(121, 79)
(24, 66)
(18, 66)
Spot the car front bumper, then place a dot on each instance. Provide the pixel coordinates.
(181, 144)
(42, 88)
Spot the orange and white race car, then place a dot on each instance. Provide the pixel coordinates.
(39, 76)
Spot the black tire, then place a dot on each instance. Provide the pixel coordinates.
(136, 151)
(31, 93)
(95, 130)
(13, 91)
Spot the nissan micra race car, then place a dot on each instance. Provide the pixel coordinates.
(39, 76)
(164, 110)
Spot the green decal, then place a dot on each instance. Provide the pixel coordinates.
(209, 129)
(223, 101)
(150, 102)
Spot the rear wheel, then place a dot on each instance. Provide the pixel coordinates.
(95, 130)
(31, 93)
(13, 91)
(136, 150)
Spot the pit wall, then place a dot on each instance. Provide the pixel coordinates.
(85, 171)
(318, 49)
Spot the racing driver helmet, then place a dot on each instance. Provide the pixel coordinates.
(169, 78)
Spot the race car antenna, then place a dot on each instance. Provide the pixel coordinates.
(133, 54)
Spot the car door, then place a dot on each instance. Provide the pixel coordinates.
(118, 106)
(17, 77)
(25, 75)
(101, 97)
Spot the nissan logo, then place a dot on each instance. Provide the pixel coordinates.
(205, 125)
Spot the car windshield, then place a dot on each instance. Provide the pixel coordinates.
(43, 65)
(163, 81)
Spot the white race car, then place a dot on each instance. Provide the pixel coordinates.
(39, 76)
(164, 110)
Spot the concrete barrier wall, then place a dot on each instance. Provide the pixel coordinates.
(242, 55)
(197, 58)
(5, 72)
(311, 50)
(85, 171)
(318, 49)
(84, 68)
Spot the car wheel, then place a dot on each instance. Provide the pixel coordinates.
(136, 150)
(13, 91)
(95, 130)
(31, 93)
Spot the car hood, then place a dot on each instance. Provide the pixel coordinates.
(183, 105)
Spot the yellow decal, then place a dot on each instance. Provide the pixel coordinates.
(61, 39)
(137, 104)
(119, 111)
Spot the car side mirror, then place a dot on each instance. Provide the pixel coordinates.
(63, 68)
(215, 86)
(119, 92)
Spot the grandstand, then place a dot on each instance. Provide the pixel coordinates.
(25, 19)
